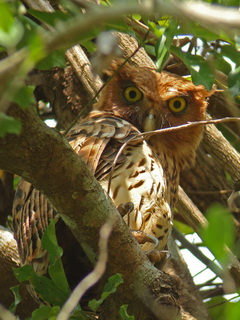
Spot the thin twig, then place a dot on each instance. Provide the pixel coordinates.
(72, 29)
(92, 277)
(225, 301)
(192, 248)
(211, 192)
(6, 314)
(208, 282)
(148, 134)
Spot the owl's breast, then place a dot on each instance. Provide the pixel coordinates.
(141, 180)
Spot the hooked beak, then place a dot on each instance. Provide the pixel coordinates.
(149, 122)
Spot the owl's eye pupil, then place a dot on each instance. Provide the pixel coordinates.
(177, 104)
(132, 94)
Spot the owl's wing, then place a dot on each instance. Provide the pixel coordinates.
(96, 140)
(31, 214)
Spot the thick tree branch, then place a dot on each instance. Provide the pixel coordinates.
(44, 158)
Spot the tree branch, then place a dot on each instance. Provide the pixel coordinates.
(44, 158)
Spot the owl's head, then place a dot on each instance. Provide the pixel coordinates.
(151, 100)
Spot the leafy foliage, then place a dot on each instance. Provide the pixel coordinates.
(215, 238)
(111, 287)
(55, 268)
(17, 298)
(44, 286)
(55, 290)
(8, 125)
(24, 96)
(45, 312)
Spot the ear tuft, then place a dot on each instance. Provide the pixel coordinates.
(203, 93)
(115, 64)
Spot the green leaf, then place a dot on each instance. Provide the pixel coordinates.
(49, 242)
(36, 48)
(23, 273)
(217, 308)
(41, 313)
(151, 50)
(197, 30)
(110, 287)
(24, 96)
(219, 232)
(79, 313)
(6, 17)
(164, 43)
(231, 52)
(118, 25)
(199, 68)
(234, 83)
(45, 313)
(89, 45)
(55, 59)
(9, 125)
(11, 37)
(220, 63)
(237, 40)
(44, 286)
(123, 313)
(54, 290)
(50, 18)
(31, 30)
(156, 29)
(17, 298)
(112, 284)
(55, 269)
(232, 310)
(16, 182)
(183, 227)
(48, 290)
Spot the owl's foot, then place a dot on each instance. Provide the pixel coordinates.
(143, 237)
(125, 208)
(158, 257)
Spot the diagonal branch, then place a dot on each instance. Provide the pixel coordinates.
(43, 157)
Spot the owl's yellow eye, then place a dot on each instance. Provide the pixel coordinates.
(132, 94)
(177, 105)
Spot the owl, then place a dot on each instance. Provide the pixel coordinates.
(146, 171)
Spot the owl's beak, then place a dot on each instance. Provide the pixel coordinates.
(149, 122)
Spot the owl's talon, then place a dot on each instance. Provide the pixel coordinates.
(143, 237)
(125, 208)
(158, 257)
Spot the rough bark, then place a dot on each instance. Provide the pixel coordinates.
(8, 260)
(40, 152)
